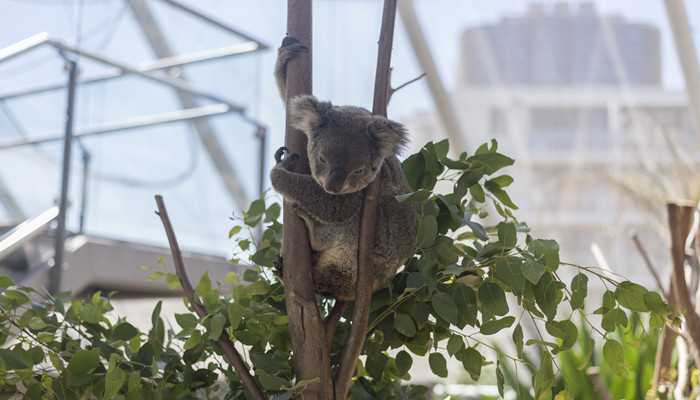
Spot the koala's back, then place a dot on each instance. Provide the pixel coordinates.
(335, 246)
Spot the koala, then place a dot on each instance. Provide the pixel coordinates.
(348, 147)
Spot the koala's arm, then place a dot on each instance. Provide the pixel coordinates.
(305, 193)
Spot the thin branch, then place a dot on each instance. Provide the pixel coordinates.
(331, 322)
(403, 85)
(230, 352)
(647, 262)
(365, 278)
(679, 221)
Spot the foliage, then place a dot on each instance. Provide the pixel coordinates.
(583, 375)
(452, 294)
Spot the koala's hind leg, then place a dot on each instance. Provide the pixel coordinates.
(291, 47)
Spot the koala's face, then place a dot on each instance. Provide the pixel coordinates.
(346, 145)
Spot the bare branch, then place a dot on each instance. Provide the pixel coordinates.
(365, 278)
(647, 262)
(403, 85)
(230, 352)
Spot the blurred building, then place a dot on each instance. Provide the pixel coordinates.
(577, 98)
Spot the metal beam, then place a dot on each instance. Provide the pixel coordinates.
(214, 22)
(121, 126)
(56, 272)
(160, 46)
(157, 65)
(687, 54)
(443, 104)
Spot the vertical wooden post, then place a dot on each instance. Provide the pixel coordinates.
(311, 355)
(365, 276)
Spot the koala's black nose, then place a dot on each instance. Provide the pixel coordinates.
(335, 181)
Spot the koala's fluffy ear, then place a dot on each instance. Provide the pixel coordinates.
(307, 112)
(390, 136)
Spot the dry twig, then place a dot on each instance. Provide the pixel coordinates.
(230, 352)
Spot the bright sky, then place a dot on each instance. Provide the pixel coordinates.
(345, 34)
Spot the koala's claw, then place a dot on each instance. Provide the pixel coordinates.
(290, 48)
(281, 154)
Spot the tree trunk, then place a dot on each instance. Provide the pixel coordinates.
(311, 356)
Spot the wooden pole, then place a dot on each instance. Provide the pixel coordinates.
(311, 355)
(365, 277)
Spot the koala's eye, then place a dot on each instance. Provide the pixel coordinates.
(358, 171)
(322, 160)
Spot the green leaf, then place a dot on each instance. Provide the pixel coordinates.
(548, 294)
(491, 161)
(204, 286)
(472, 361)
(545, 251)
(614, 355)
(445, 307)
(114, 378)
(186, 321)
(427, 231)
(579, 291)
(493, 300)
(495, 325)
(544, 379)
(507, 234)
(12, 359)
(533, 271)
(655, 303)
(518, 339)
(84, 361)
(500, 194)
(403, 361)
(5, 282)
(234, 231)
(613, 319)
(194, 339)
(273, 212)
(631, 296)
(477, 192)
(403, 323)
(454, 345)
(216, 326)
(269, 381)
(509, 271)
(235, 314)
(502, 181)
(465, 299)
(255, 212)
(438, 364)
(124, 331)
(564, 330)
(376, 364)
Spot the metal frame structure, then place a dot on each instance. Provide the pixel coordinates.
(188, 95)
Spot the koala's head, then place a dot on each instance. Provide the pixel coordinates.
(346, 145)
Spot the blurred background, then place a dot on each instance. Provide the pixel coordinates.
(178, 98)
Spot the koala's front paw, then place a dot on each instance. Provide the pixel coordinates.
(291, 47)
(285, 159)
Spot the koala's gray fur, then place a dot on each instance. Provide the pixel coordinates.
(347, 148)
